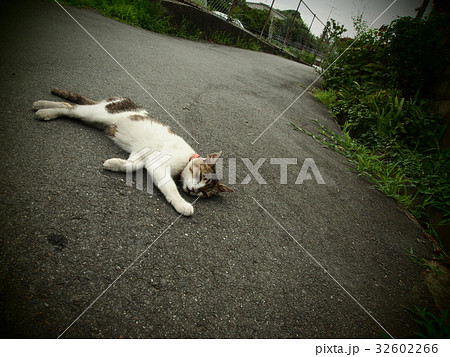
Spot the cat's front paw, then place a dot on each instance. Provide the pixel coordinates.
(186, 209)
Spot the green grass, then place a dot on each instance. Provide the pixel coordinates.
(151, 15)
(425, 264)
(224, 38)
(431, 325)
(326, 97)
(386, 175)
(248, 44)
(305, 56)
(186, 29)
(144, 14)
(415, 180)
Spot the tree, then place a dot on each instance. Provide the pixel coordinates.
(252, 19)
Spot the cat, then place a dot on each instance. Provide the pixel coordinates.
(130, 126)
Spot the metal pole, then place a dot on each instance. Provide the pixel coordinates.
(314, 17)
(267, 19)
(421, 9)
(231, 10)
(309, 31)
(322, 38)
(290, 25)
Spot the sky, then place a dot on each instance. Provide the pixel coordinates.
(343, 11)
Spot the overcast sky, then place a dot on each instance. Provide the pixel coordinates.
(343, 11)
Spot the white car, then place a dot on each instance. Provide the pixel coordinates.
(225, 16)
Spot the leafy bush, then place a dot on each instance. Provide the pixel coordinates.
(252, 19)
(404, 55)
(362, 62)
(377, 89)
(380, 116)
(414, 53)
(187, 29)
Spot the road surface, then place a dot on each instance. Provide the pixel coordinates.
(274, 260)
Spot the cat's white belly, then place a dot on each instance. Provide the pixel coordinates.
(134, 136)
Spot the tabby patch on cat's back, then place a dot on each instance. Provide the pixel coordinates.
(119, 105)
(151, 145)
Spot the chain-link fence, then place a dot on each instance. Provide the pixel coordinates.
(216, 6)
(221, 8)
(283, 28)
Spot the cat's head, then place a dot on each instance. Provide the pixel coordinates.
(199, 177)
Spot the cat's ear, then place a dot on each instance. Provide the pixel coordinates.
(215, 155)
(224, 188)
(212, 158)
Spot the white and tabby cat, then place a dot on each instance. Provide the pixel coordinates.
(131, 127)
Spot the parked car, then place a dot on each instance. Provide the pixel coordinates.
(233, 20)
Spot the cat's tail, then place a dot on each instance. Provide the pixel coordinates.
(73, 97)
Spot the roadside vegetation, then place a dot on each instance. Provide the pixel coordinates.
(378, 90)
(144, 14)
(299, 34)
(431, 326)
(151, 15)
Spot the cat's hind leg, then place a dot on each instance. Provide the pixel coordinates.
(91, 114)
(48, 114)
(47, 104)
(47, 110)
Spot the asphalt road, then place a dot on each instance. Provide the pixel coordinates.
(69, 229)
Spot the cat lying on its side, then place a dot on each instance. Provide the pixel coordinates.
(131, 127)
